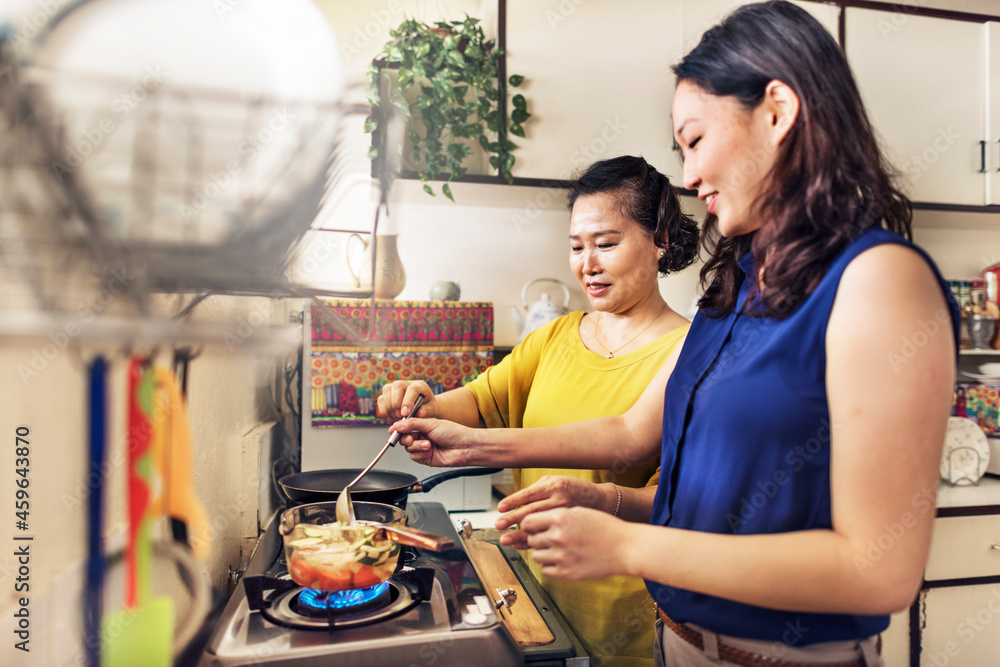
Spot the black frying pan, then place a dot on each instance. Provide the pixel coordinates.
(379, 486)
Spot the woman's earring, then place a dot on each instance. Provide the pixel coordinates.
(662, 253)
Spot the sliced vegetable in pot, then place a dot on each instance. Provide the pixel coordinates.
(332, 557)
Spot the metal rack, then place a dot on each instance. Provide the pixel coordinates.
(94, 231)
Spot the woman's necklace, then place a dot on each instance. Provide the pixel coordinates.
(611, 353)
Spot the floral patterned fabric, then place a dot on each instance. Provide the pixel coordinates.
(445, 343)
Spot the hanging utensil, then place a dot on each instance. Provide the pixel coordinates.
(97, 439)
(178, 498)
(141, 633)
(345, 508)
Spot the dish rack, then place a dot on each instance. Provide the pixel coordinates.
(102, 218)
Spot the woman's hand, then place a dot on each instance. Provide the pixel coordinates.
(397, 399)
(435, 442)
(578, 543)
(550, 492)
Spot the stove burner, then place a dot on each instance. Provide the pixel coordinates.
(311, 600)
(286, 608)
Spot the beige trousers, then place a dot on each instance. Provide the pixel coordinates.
(672, 651)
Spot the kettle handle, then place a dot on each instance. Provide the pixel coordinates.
(524, 290)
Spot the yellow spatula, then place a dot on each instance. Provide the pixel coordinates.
(178, 498)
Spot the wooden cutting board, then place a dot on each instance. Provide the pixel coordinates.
(522, 619)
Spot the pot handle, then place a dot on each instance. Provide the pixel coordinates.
(418, 538)
(432, 481)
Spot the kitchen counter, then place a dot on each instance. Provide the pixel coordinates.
(985, 494)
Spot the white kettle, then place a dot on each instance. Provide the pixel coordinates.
(540, 312)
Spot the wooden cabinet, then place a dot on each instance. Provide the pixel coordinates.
(960, 625)
(598, 81)
(993, 119)
(955, 618)
(923, 82)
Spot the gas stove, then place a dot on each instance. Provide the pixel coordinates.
(434, 611)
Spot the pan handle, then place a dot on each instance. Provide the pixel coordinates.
(432, 481)
(276, 475)
(418, 538)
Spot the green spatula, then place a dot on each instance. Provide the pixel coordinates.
(142, 633)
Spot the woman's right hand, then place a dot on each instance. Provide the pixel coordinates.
(435, 442)
(550, 492)
(397, 399)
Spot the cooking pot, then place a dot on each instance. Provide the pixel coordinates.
(378, 486)
(325, 555)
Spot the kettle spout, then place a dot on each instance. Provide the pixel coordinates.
(518, 316)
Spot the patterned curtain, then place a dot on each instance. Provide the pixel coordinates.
(444, 343)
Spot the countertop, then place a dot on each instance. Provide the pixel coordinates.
(986, 493)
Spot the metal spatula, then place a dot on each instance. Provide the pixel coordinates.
(345, 508)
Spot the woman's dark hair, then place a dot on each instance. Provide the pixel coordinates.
(829, 182)
(644, 195)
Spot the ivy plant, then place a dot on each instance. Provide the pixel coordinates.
(449, 73)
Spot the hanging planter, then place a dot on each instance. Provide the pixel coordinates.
(447, 83)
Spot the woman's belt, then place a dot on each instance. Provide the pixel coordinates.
(737, 656)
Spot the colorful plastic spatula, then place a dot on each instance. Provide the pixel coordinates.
(142, 633)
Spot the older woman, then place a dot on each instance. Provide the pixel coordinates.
(626, 228)
(792, 432)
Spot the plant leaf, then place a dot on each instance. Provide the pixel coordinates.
(429, 191)
(519, 116)
(515, 80)
(519, 101)
(446, 189)
(517, 130)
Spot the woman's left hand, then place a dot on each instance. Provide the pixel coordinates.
(577, 543)
(549, 492)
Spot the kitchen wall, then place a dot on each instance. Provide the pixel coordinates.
(232, 400)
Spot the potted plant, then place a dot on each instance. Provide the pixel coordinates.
(448, 85)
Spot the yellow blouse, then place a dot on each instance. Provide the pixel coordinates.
(552, 379)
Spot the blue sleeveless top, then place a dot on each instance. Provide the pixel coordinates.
(746, 445)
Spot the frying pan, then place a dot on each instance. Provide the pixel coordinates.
(378, 486)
